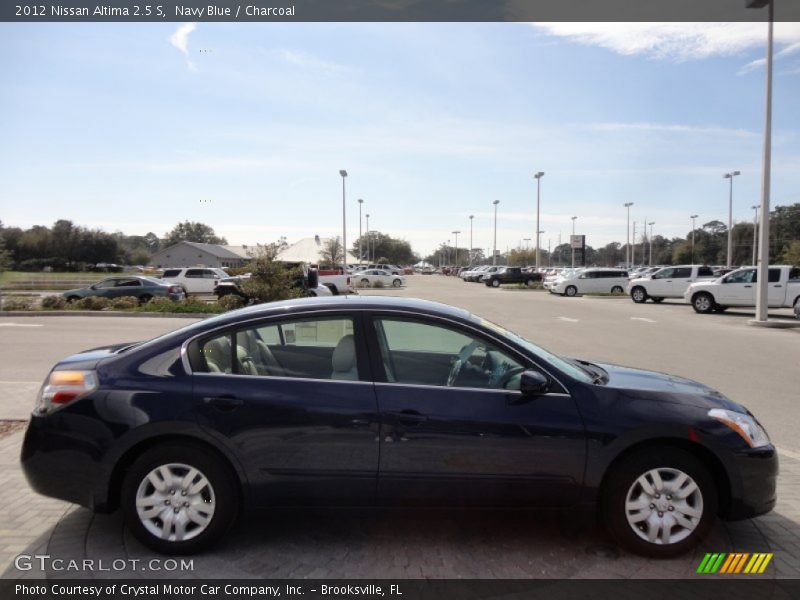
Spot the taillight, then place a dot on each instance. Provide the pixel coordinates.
(174, 289)
(63, 387)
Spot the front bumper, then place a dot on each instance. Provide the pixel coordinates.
(754, 479)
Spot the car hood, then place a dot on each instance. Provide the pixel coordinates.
(667, 388)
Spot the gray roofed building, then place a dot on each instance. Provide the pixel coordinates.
(193, 254)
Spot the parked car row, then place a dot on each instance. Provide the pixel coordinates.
(495, 276)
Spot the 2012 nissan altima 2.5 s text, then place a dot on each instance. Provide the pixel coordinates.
(388, 401)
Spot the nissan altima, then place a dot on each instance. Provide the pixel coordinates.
(388, 401)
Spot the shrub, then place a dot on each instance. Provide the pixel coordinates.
(54, 303)
(17, 303)
(91, 303)
(190, 305)
(231, 302)
(271, 281)
(124, 303)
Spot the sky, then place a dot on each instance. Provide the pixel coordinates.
(245, 126)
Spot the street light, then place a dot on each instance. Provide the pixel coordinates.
(455, 233)
(693, 217)
(633, 248)
(763, 257)
(730, 176)
(628, 236)
(570, 241)
(527, 245)
(538, 176)
(368, 260)
(343, 173)
(537, 249)
(755, 230)
(360, 255)
(494, 243)
(650, 262)
(470, 238)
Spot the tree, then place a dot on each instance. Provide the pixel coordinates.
(332, 253)
(520, 257)
(791, 254)
(394, 250)
(271, 280)
(189, 231)
(5, 255)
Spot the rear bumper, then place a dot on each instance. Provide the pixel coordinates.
(63, 464)
(754, 478)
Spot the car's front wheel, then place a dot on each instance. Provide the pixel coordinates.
(570, 291)
(660, 502)
(617, 289)
(397, 283)
(639, 295)
(179, 498)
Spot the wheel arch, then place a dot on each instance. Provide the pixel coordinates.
(123, 463)
(710, 460)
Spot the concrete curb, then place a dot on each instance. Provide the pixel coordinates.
(102, 313)
(775, 324)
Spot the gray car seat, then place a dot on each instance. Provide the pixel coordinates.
(344, 359)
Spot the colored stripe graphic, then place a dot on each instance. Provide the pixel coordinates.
(735, 563)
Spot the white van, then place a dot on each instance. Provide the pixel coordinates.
(587, 281)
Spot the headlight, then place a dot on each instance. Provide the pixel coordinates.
(745, 425)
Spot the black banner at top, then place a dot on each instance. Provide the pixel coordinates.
(395, 10)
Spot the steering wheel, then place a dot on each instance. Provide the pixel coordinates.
(465, 353)
(502, 375)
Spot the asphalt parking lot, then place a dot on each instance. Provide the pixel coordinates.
(758, 367)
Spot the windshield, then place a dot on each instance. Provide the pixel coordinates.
(568, 367)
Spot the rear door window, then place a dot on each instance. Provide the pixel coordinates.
(171, 273)
(195, 273)
(705, 272)
(682, 272)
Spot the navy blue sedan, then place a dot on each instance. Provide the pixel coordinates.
(379, 400)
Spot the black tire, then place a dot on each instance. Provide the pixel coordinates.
(365, 281)
(571, 291)
(219, 475)
(495, 283)
(334, 290)
(657, 300)
(617, 289)
(703, 303)
(145, 298)
(397, 283)
(639, 295)
(621, 481)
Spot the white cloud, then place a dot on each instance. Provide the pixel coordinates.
(309, 61)
(180, 40)
(757, 64)
(672, 128)
(675, 41)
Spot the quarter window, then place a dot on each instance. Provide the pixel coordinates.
(682, 272)
(421, 353)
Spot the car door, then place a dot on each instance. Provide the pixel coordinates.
(776, 289)
(657, 286)
(294, 398)
(129, 286)
(456, 428)
(737, 288)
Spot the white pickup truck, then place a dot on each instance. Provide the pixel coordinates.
(669, 282)
(738, 288)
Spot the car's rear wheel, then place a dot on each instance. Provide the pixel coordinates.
(660, 502)
(495, 283)
(528, 282)
(178, 499)
(703, 303)
(570, 291)
(617, 289)
(397, 283)
(639, 295)
(334, 290)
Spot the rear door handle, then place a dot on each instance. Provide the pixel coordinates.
(748, 286)
(409, 417)
(224, 403)
(779, 285)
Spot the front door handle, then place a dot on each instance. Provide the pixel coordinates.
(409, 417)
(779, 285)
(224, 403)
(748, 286)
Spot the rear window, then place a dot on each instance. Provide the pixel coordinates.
(705, 272)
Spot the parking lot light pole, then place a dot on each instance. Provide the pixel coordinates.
(343, 173)
(455, 233)
(628, 236)
(693, 217)
(494, 243)
(538, 176)
(570, 241)
(730, 177)
(539, 235)
(763, 250)
(368, 260)
(360, 255)
(633, 248)
(650, 262)
(755, 231)
(470, 238)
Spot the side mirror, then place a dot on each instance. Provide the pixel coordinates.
(533, 383)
